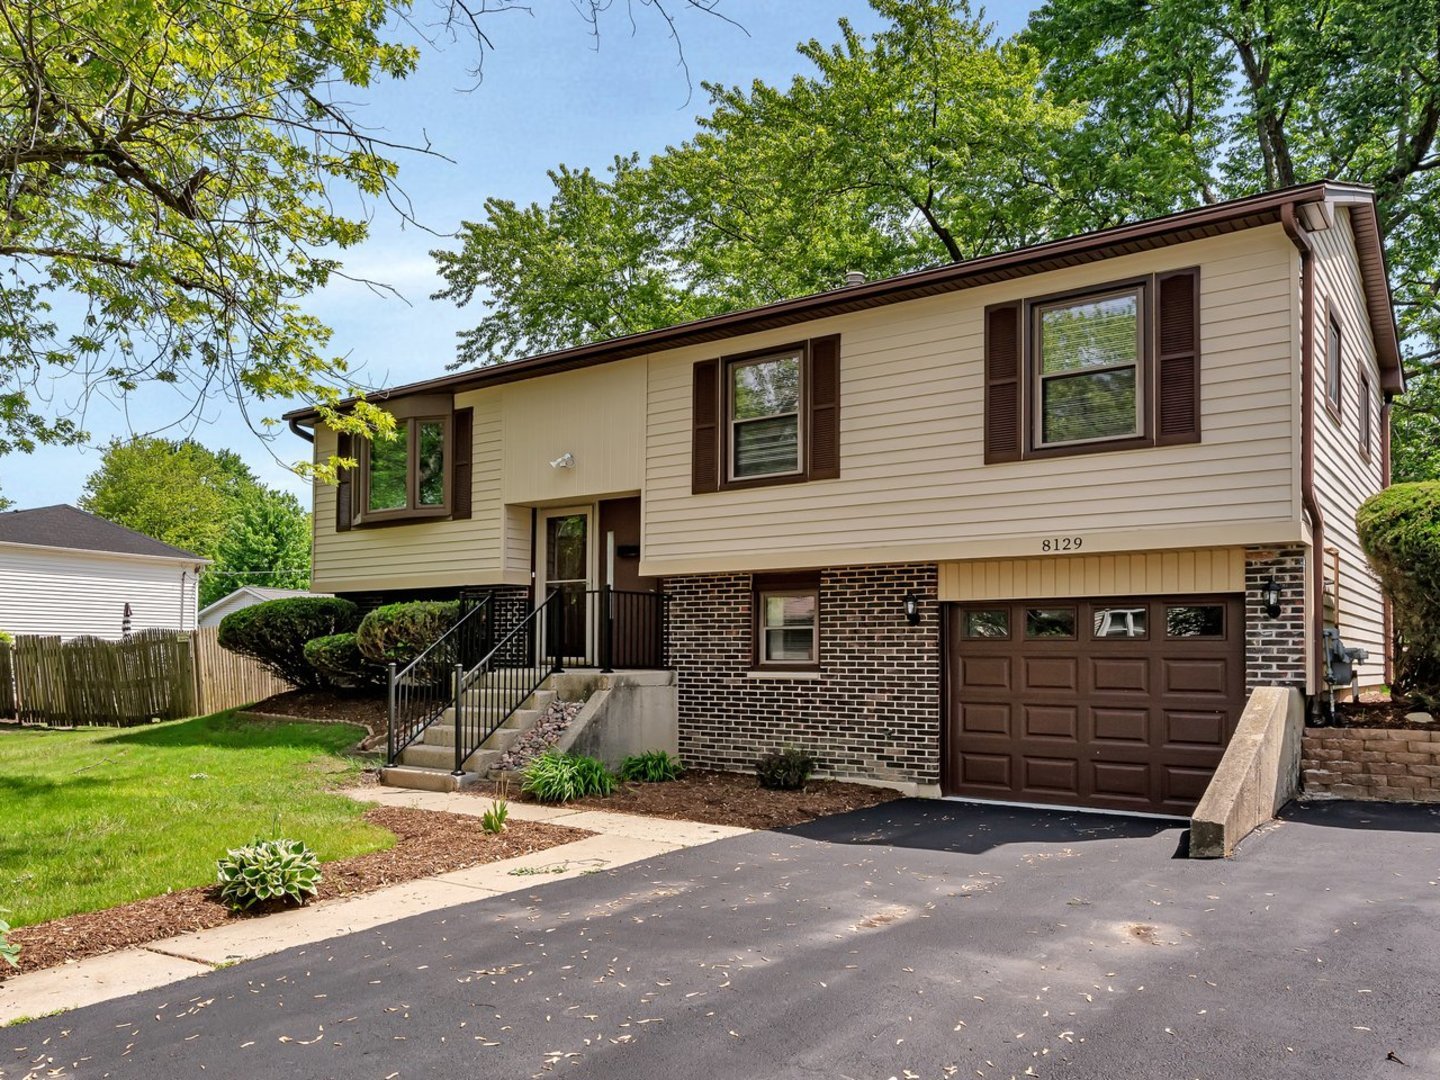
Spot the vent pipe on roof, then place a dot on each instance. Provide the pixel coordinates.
(854, 277)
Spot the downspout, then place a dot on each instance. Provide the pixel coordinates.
(1388, 614)
(1301, 240)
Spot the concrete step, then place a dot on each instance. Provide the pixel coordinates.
(405, 776)
(489, 700)
(442, 732)
(423, 756)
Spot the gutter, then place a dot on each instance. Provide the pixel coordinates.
(296, 429)
(1301, 240)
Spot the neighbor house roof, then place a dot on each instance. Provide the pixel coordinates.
(261, 593)
(1269, 208)
(65, 526)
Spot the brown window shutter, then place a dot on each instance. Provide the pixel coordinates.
(1003, 373)
(463, 433)
(1177, 361)
(825, 408)
(344, 500)
(705, 428)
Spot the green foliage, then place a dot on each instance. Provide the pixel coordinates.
(1415, 427)
(553, 777)
(8, 952)
(6, 504)
(340, 663)
(494, 818)
(1400, 533)
(275, 632)
(785, 770)
(651, 767)
(266, 542)
(268, 870)
(6, 638)
(400, 632)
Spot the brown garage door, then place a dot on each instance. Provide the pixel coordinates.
(1121, 704)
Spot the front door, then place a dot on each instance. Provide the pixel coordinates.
(567, 560)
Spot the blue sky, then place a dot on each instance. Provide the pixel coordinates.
(549, 94)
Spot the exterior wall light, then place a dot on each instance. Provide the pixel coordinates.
(912, 607)
(1270, 592)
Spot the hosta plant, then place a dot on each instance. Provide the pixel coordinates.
(8, 952)
(268, 870)
(651, 767)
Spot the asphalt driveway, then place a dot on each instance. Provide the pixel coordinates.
(915, 940)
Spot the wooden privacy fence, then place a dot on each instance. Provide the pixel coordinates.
(151, 675)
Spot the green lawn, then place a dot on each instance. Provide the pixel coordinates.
(101, 816)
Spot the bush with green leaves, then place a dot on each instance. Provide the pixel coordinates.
(398, 633)
(651, 767)
(6, 638)
(275, 633)
(785, 770)
(8, 952)
(268, 870)
(340, 663)
(1400, 533)
(553, 777)
(493, 819)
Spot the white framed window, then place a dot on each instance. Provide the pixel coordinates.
(788, 626)
(1088, 361)
(764, 416)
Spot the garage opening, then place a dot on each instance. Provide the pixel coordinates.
(1120, 704)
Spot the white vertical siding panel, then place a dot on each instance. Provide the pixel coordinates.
(50, 591)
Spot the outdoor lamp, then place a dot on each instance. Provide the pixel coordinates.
(912, 607)
(1270, 591)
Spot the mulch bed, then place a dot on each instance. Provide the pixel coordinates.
(368, 712)
(725, 798)
(429, 842)
(1380, 712)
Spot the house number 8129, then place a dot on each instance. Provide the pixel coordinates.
(1061, 543)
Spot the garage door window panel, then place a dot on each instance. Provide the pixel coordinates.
(1129, 622)
(1050, 624)
(1195, 620)
(988, 623)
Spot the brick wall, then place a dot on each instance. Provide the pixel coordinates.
(874, 710)
(1275, 647)
(1368, 763)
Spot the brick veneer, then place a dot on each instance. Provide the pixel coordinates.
(874, 710)
(1275, 647)
(1368, 763)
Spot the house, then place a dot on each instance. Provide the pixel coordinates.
(1027, 527)
(243, 597)
(67, 572)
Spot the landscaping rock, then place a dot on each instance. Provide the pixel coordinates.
(557, 716)
(1419, 718)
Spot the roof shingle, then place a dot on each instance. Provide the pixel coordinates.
(66, 526)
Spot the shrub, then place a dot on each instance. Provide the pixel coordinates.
(1400, 532)
(493, 820)
(9, 953)
(651, 767)
(785, 770)
(275, 633)
(400, 632)
(6, 638)
(558, 778)
(339, 662)
(268, 870)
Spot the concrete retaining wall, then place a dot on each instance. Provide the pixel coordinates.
(1259, 773)
(625, 713)
(1382, 764)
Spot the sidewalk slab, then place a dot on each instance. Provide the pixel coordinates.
(453, 803)
(642, 827)
(588, 856)
(87, 982)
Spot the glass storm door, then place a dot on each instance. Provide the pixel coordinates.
(567, 570)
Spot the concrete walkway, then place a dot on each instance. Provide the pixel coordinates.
(620, 839)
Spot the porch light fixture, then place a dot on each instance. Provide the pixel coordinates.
(912, 607)
(564, 461)
(1270, 593)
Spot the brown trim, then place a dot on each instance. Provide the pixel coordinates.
(1178, 407)
(412, 512)
(462, 464)
(705, 415)
(822, 382)
(802, 409)
(1004, 374)
(1332, 322)
(1388, 613)
(769, 583)
(1365, 415)
(1186, 226)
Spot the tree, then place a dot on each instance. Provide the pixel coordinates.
(168, 180)
(178, 492)
(5, 503)
(266, 542)
(929, 140)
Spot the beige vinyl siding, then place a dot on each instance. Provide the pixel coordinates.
(1149, 573)
(913, 484)
(1343, 479)
(70, 593)
(425, 554)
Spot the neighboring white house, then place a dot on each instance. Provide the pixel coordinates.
(66, 572)
(243, 597)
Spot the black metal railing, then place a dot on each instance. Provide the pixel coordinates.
(424, 688)
(496, 688)
(627, 629)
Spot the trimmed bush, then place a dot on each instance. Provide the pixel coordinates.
(275, 633)
(785, 770)
(6, 638)
(1400, 532)
(401, 632)
(651, 767)
(268, 870)
(339, 662)
(559, 778)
